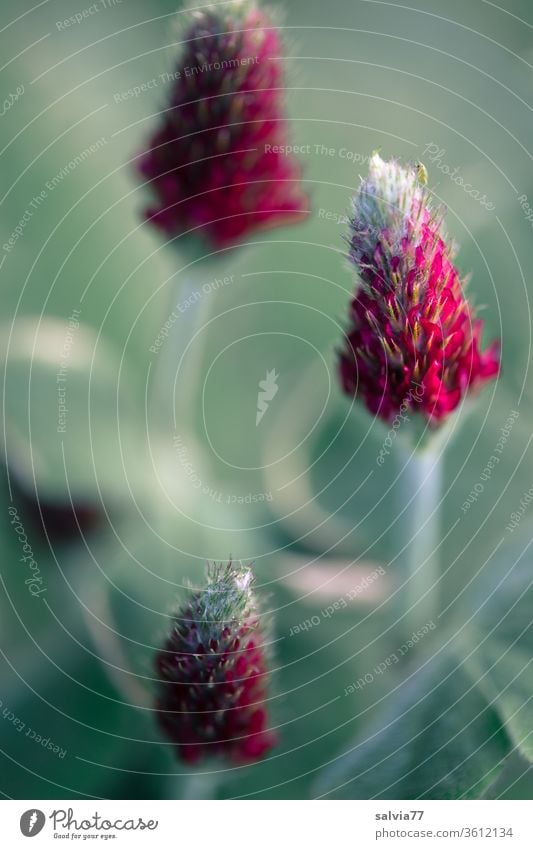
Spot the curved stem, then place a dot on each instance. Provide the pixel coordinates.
(420, 491)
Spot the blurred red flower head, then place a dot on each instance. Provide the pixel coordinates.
(218, 164)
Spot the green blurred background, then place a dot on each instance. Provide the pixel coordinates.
(299, 494)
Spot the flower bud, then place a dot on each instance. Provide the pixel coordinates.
(213, 673)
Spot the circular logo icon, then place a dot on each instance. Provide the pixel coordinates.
(32, 822)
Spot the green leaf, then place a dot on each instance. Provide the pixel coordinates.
(497, 642)
(437, 738)
(445, 731)
(505, 675)
(56, 684)
(69, 420)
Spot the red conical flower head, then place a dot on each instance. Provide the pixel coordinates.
(413, 341)
(213, 673)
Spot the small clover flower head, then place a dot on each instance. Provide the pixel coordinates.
(213, 673)
(413, 341)
(218, 165)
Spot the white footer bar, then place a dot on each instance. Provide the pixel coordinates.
(256, 824)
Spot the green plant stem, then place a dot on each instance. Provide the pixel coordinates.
(178, 368)
(203, 785)
(420, 490)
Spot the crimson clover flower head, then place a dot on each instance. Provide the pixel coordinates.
(413, 341)
(213, 672)
(218, 164)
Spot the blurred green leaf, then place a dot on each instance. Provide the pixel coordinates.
(70, 419)
(439, 739)
(497, 642)
(466, 707)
